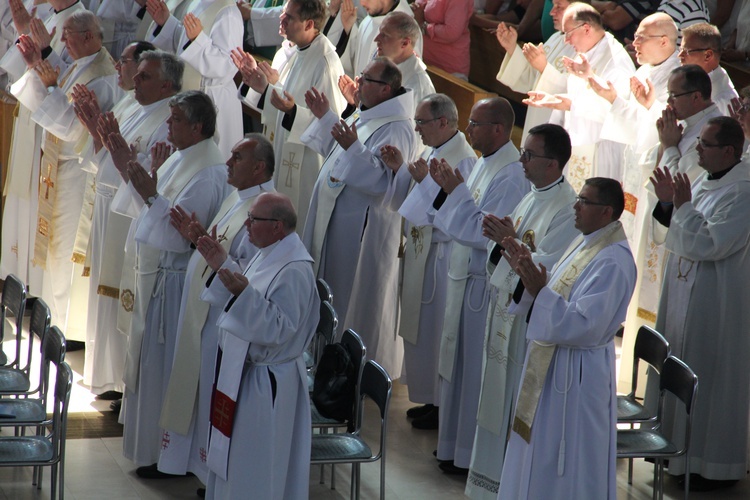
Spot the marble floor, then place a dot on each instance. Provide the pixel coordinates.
(96, 469)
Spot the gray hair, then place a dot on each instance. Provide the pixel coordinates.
(442, 105)
(198, 108)
(263, 151)
(171, 66)
(405, 25)
(85, 20)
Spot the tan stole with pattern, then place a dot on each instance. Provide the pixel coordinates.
(541, 354)
(102, 65)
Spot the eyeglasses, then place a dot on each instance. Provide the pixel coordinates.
(690, 51)
(473, 123)
(252, 219)
(421, 122)
(705, 145)
(585, 201)
(566, 33)
(124, 60)
(527, 155)
(67, 32)
(673, 96)
(639, 36)
(366, 78)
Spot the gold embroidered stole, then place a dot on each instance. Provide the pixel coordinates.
(540, 355)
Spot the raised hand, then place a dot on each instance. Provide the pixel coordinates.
(272, 76)
(211, 250)
(670, 132)
(535, 55)
(234, 282)
(21, 16)
(682, 192)
(445, 176)
(142, 182)
(497, 229)
(418, 11)
(246, 10)
(121, 152)
(317, 102)
(609, 92)
(579, 66)
(392, 157)
(46, 73)
(644, 94)
(193, 26)
(39, 33)
(344, 134)
(30, 51)
(545, 100)
(283, 103)
(348, 15)
(507, 37)
(180, 220)
(734, 108)
(159, 154)
(419, 169)
(661, 179)
(348, 88)
(158, 10)
(534, 278)
(108, 125)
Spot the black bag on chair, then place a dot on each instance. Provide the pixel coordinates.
(333, 387)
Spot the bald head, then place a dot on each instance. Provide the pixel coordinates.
(655, 39)
(281, 207)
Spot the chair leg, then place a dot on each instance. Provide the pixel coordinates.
(687, 475)
(353, 483)
(656, 480)
(630, 471)
(53, 487)
(333, 476)
(322, 470)
(357, 480)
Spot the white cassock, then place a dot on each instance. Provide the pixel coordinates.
(595, 153)
(516, 72)
(722, 90)
(496, 185)
(544, 222)
(360, 47)
(119, 23)
(637, 127)
(297, 166)
(185, 414)
(424, 274)
(572, 447)
(263, 334)
(209, 55)
(20, 188)
(703, 314)
(351, 233)
(64, 289)
(150, 353)
(104, 364)
(414, 76)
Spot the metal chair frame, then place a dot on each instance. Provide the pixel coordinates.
(351, 447)
(13, 302)
(678, 379)
(324, 291)
(44, 450)
(324, 335)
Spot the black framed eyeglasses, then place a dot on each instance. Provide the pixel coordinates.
(363, 76)
(585, 201)
(251, 219)
(527, 155)
(421, 122)
(672, 95)
(690, 51)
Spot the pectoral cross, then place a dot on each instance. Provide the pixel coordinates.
(291, 165)
(48, 181)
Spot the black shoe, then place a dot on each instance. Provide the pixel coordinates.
(419, 411)
(201, 492)
(152, 472)
(116, 406)
(74, 345)
(449, 468)
(109, 396)
(700, 483)
(428, 421)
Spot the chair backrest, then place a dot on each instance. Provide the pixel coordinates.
(678, 379)
(358, 353)
(53, 351)
(324, 333)
(38, 327)
(651, 347)
(324, 291)
(63, 386)
(13, 303)
(377, 385)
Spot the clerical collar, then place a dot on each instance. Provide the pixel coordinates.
(547, 188)
(486, 157)
(438, 148)
(588, 237)
(154, 105)
(308, 45)
(248, 193)
(265, 251)
(718, 175)
(66, 8)
(692, 120)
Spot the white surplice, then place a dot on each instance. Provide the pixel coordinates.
(544, 220)
(149, 358)
(275, 317)
(300, 69)
(352, 235)
(573, 442)
(414, 76)
(722, 90)
(186, 451)
(424, 274)
(496, 185)
(209, 55)
(704, 315)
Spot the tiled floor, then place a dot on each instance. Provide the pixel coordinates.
(95, 468)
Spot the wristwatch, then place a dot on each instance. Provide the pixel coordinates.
(51, 88)
(151, 199)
